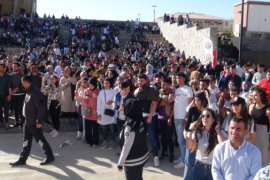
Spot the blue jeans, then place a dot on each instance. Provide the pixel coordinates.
(108, 130)
(202, 172)
(152, 135)
(190, 159)
(180, 137)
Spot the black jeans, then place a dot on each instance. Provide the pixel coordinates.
(119, 123)
(134, 172)
(3, 108)
(91, 132)
(30, 131)
(166, 132)
(54, 111)
(17, 104)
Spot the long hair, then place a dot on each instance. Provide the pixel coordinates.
(212, 135)
(202, 97)
(263, 95)
(57, 82)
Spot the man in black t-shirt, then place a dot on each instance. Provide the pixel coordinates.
(4, 94)
(148, 97)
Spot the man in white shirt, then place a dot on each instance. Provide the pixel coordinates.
(183, 96)
(236, 158)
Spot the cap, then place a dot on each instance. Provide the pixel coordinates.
(111, 66)
(238, 100)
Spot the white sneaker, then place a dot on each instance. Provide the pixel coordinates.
(176, 161)
(156, 161)
(179, 165)
(55, 134)
(52, 132)
(79, 135)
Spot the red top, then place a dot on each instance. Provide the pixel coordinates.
(90, 101)
(265, 84)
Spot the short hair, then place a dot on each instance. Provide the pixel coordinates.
(17, 63)
(27, 78)
(181, 74)
(233, 66)
(124, 84)
(235, 90)
(239, 119)
(205, 80)
(142, 76)
(168, 81)
(3, 65)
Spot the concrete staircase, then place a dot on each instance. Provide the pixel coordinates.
(156, 38)
(124, 38)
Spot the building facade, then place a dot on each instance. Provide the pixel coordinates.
(256, 19)
(17, 7)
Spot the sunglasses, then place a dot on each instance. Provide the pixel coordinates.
(206, 116)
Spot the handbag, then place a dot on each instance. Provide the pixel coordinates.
(108, 111)
(88, 111)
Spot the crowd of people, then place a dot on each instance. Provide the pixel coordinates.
(180, 20)
(218, 117)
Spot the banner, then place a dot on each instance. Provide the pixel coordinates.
(208, 52)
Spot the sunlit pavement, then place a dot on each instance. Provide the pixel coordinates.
(77, 161)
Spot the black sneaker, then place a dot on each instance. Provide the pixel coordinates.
(20, 161)
(47, 160)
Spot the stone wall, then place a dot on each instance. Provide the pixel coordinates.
(189, 40)
(13, 7)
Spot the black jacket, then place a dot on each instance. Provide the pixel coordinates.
(34, 109)
(133, 137)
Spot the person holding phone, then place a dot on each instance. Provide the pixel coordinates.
(203, 135)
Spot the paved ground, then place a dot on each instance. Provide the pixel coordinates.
(72, 162)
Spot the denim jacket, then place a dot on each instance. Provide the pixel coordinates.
(118, 101)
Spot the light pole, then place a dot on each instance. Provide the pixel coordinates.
(241, 33)
(154, 6)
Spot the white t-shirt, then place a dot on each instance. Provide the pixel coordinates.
(182, 94)
(213, 94)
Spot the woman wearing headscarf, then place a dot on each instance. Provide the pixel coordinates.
(89, 112)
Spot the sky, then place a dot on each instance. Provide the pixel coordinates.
(133, 9)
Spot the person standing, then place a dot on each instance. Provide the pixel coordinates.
(259, 75)
(17, 94)
(68, 103)
(133, 142)
(119, 101)
(89, 112)
(165, 113)
(265, 84)
(106, 121)
(261, 121)
(183, 97)
(149, 97)
(53, 91)
(236, 158)
(4, 94)
(34, 111)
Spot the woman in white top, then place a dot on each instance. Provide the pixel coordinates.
(107, 122)
(203, 135)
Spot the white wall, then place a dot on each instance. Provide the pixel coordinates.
(258, 18)
(190, 40)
